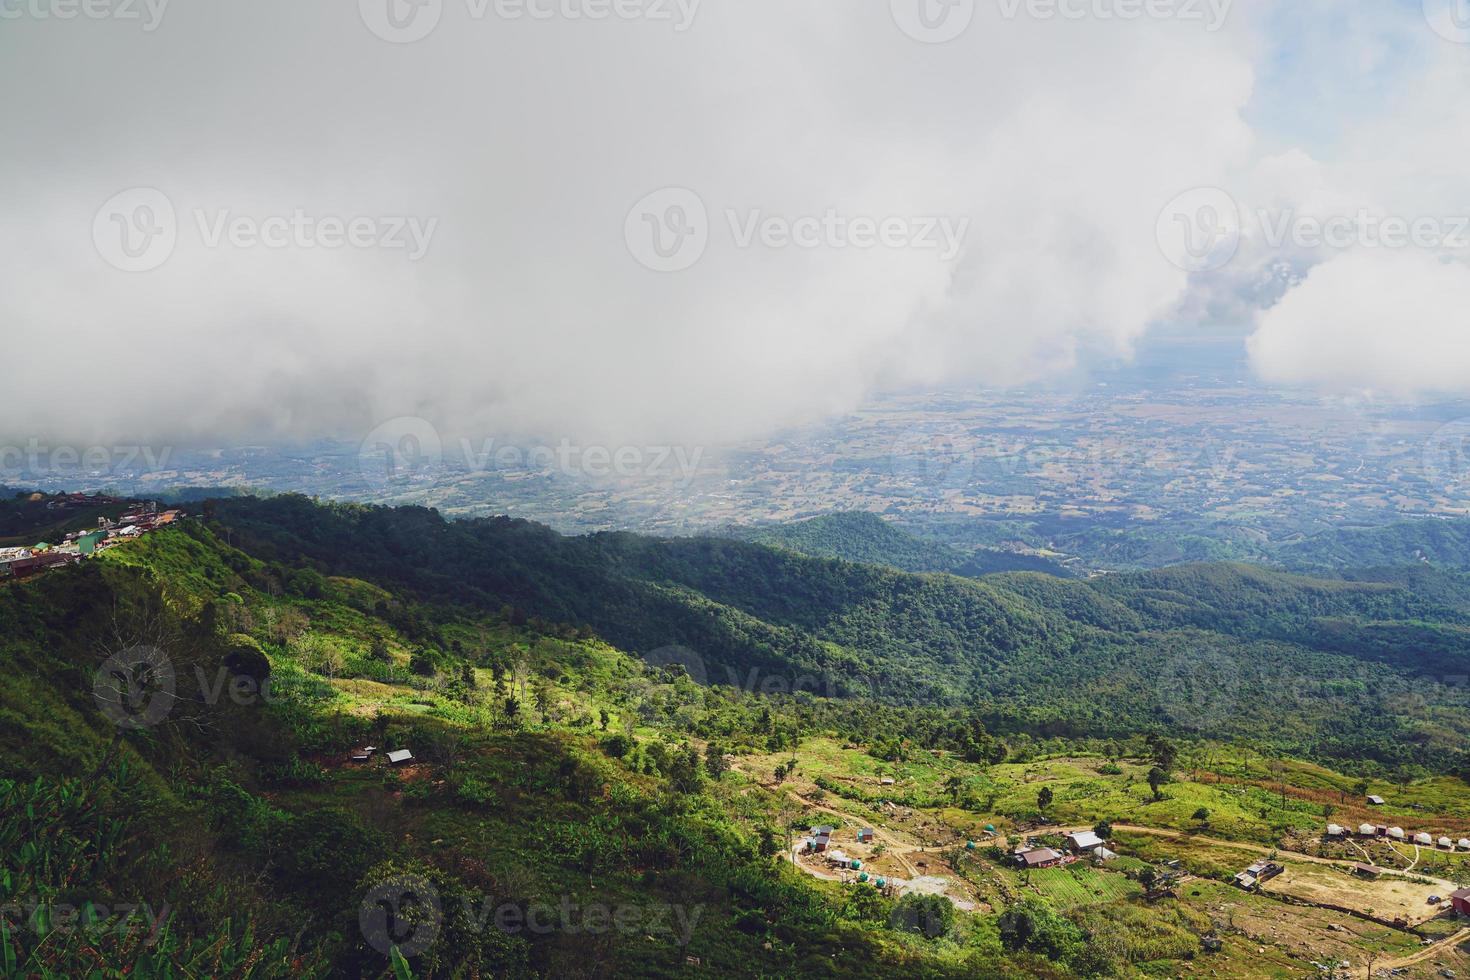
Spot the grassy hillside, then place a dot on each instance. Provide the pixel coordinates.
(1363, 672)
(575, 810)
(544, 769)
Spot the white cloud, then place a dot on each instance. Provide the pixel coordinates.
(1395, 322)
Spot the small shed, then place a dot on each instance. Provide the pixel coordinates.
(399, 757)
(865, 836)
(887, 781)
(1367, 871)
(1460, 901)
(1043, 857)
(1102, 854)
(1375, 801)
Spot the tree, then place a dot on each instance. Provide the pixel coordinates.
(714, 762)
(1044, 798)
(928, 915)
(378, 650)
(1156, 778)
(1104, 829)
(603, 717)
(953, 785)
(684, 771)
(1202, 815)
(767, 847)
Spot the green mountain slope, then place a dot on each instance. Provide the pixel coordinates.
(863, 537)
(1224, 650)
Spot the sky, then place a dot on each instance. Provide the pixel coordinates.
(639, 221)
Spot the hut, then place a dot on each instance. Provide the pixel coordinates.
(1333, 830)
(1464, 843)
(1460, 901)
(400, 757)
(1446, 843)
(1375, 801)
(865, 836)
(1397, 833)
(1042, 857)
(1424, 840)
(1367, 830)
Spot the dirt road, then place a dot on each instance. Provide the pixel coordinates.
(1427, 953)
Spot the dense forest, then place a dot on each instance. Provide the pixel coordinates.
(1364, 671)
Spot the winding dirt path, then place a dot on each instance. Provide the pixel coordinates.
(1427, 953)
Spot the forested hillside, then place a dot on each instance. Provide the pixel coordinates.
(1358, 671)
(863, 537)
(225, 829)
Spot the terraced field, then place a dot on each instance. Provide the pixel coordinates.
(1079, 886)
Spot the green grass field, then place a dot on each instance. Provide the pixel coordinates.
(1080, 885)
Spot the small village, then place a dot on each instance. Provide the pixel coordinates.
(1310, 893)
(77, 546)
